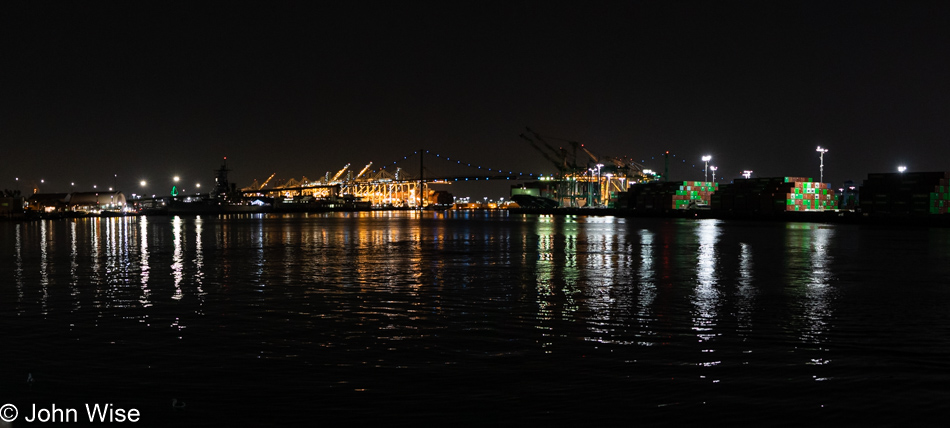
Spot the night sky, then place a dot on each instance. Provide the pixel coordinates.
(147, 90)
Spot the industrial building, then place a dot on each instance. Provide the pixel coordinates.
(76, 202)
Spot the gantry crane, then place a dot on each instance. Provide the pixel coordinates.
(257, 187)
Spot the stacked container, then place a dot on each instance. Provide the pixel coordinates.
(698, 192)
(940, 197)
(774, 195)
(660, 196)
(806, 195)
(909, 193)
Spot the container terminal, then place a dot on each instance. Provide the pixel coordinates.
(597, 185)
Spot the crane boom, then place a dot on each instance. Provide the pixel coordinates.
(556, 163)
(556, 152)
(589, 153)
(267, 181)
(340, 173)
(363, 171)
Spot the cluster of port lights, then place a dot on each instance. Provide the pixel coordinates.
(706, 167)
(467, 164)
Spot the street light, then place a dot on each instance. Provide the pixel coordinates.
(821, 155)
(142, 183)
(901, 169)
(713, 169)
(706, 159)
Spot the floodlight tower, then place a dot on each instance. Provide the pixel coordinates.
(821, 156)
(901, 169)
(747, 173)
(706, 159)
(713, 169)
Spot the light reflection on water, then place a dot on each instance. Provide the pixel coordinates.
(706, 296)
(745, 296)
(665, 305)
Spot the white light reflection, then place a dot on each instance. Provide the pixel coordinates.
(74, 267)
(144, 299)
(571, 272)
(647, 275)
(608, 296)
(557, 274)
(118, 262)
(818, 293)
(809, 262)
(19, 269)
(199, 264)
(258, 243)
(706, 295)
(95, 275)
(44, 267)
(544, 278)
(177, 257)
(746, 293)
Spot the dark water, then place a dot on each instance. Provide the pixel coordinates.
(418, 319)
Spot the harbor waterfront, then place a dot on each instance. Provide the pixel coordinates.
(460, 317)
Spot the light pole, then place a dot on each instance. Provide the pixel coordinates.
(599, 184)
(821, 156)
(706, 159)
(713, 169)
(590, 187)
